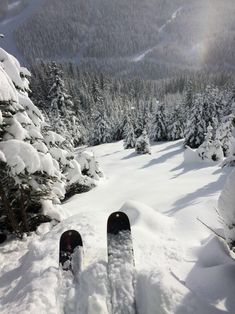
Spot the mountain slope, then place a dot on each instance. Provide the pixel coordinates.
(181, 268)
(163, 37)
(15, 14)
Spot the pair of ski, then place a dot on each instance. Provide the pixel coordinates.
(120, 261)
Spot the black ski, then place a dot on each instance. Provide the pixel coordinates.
(70, 255)
(121, 264)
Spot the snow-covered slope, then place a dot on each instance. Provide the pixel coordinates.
(180, 267)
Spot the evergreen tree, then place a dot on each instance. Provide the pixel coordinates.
(138, 123)
(196, 127)
(225, 135)
(62, 112)
(37, 166)
(101, 130)
(159, 126)
(129, 135)
(175, 125)
(27, 170)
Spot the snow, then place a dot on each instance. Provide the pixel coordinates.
(12, 67)
(33, 112)
(8, 92)
(15, 130)
(180, 267)
(20, 156)
(226, 207)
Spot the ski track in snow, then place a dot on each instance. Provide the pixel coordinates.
(180, 267)
(13, 5)
(142, 55)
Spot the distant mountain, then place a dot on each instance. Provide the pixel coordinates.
(147, 38)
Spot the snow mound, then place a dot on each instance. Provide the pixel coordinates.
(191, 156)
(146, 217)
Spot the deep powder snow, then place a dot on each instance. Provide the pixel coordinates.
(180, 267)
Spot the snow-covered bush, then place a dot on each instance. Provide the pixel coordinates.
(210, 150)
(89, 165)
(142, 145)
(191, 156)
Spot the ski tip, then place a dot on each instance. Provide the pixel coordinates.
(69, 241)
(118, 221)
(71, 236)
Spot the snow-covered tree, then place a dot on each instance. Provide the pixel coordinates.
(89, 165)
(225, 135)
(27, 169)
(196, 127)
(101, 128)
(207, 109)
(175, 125)
(61, 113)
(188, 96)
(159, 125)
(210, 149)
(129, 135)
(37, 166)
(142, 145)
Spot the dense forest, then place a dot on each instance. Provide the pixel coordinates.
(105, 107)
(109, 36)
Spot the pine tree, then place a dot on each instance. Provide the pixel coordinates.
(159, 126)
(62, 113)
(101, 131)
(175, 125)
(129, 135)
(196, 127)
(225, 135)
(37, 166)
(27, 170)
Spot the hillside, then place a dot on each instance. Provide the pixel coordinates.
(181, 267)
(151, 39)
